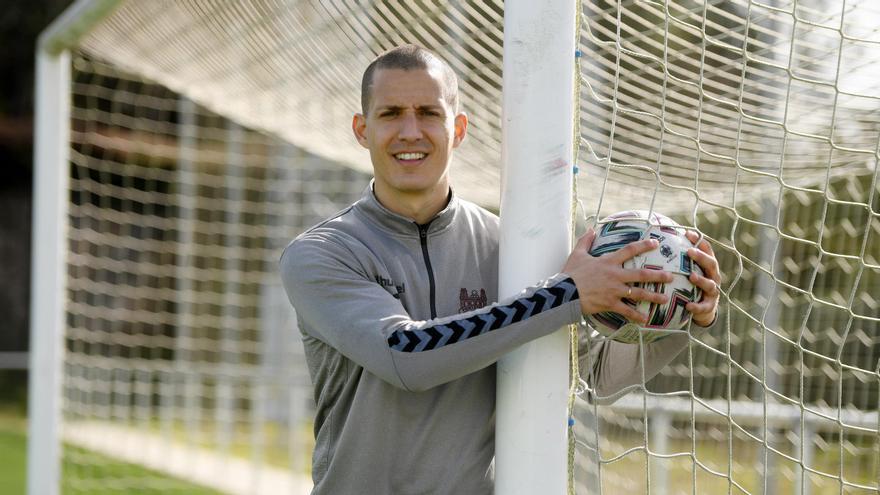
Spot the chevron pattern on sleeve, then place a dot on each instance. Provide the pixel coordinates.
(497, 317)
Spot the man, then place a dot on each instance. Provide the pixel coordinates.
(390, 296)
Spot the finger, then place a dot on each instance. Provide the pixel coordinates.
(633, 249)
(585, 242)
(641, 294)
(709, 287)
(699, 242)
(700, 309)
(708, 263)
(646, 275)
(635, 294)
(629, 312)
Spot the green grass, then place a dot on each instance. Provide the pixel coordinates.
(89, 473)
(106, 476)
(13, 448)
(628, 474)
(274, 453)
(100, 476)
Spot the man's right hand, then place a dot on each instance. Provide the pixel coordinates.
(602, 281)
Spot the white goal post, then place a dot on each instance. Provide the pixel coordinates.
(48, 281)
(537, 153)
(181, 143)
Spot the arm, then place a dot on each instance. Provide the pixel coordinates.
(612, 368)
(338, 303)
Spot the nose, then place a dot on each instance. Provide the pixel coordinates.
(410, 129)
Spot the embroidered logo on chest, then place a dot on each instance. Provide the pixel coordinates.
(395, 289)
(471, 300)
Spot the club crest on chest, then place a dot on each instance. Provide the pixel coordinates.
(472, 300)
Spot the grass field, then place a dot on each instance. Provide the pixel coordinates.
(628, 474)
(105, 475)
(88, 473)
(13, 448)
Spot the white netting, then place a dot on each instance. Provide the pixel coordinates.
(755, 122)
(182, 350)
(294, 68)
(208, 133)
(728, 100)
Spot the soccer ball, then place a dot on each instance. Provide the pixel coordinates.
(625, 227)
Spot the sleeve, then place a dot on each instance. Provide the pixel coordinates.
(613, 368)
(337, 302)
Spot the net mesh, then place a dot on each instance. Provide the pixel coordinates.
(755, 123)
(293, 68)
(181, 348)
(207, 134)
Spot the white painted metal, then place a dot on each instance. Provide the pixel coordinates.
(747, 413)
(74, 23)
(49, 240)
(537, 174)
(660, 426)
(48, 274)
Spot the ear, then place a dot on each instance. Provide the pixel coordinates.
(359, 127)
(461, 123)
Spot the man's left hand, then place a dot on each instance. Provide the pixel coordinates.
(705, 311)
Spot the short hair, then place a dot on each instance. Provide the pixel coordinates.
(410, 57)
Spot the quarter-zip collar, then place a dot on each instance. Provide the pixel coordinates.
(370, 207)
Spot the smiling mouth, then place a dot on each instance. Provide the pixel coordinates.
(410, 157)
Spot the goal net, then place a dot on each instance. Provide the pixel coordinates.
(754, 122)
(204, 135)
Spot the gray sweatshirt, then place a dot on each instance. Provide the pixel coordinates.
(401, 335)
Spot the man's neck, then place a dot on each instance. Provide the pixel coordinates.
(420, 207)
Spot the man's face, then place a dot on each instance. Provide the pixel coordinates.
(410, 130)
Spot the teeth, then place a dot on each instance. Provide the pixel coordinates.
(410, 156)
